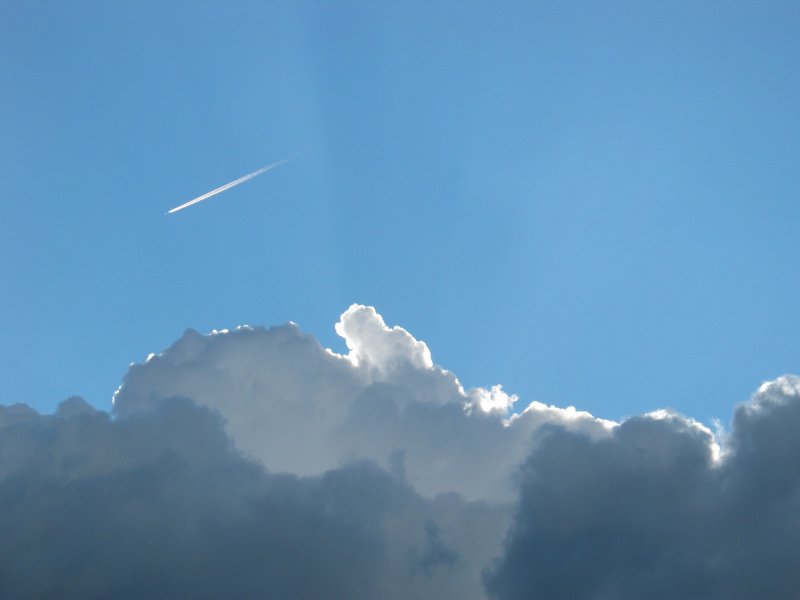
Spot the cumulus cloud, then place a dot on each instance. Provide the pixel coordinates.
(295, 406)
(254, 463)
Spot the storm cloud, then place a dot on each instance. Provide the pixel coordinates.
(654, 512)
(255, 463)
(160, 505)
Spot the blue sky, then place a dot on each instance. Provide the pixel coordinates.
(591, 204)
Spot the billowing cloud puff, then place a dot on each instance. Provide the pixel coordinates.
(386, 349)
(254, 463)
(296, 407)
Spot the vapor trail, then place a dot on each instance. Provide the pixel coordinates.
(228, 186)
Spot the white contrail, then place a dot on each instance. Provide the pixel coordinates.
(228, 186)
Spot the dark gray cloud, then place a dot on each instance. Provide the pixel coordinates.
(161, 505)
(651, 512)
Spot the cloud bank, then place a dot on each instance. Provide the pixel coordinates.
(254, 463)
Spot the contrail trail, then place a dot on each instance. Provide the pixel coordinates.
(233, 183)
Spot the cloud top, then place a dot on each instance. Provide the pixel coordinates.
(386, 349)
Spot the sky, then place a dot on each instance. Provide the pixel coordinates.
(590, 205)
(522, 305)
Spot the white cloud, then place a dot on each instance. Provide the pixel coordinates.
(386, 349)
(299, 408)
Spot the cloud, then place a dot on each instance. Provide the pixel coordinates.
(294, 406)
(161, 505)
(385, 349)
(653, 511)
(255, 463)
